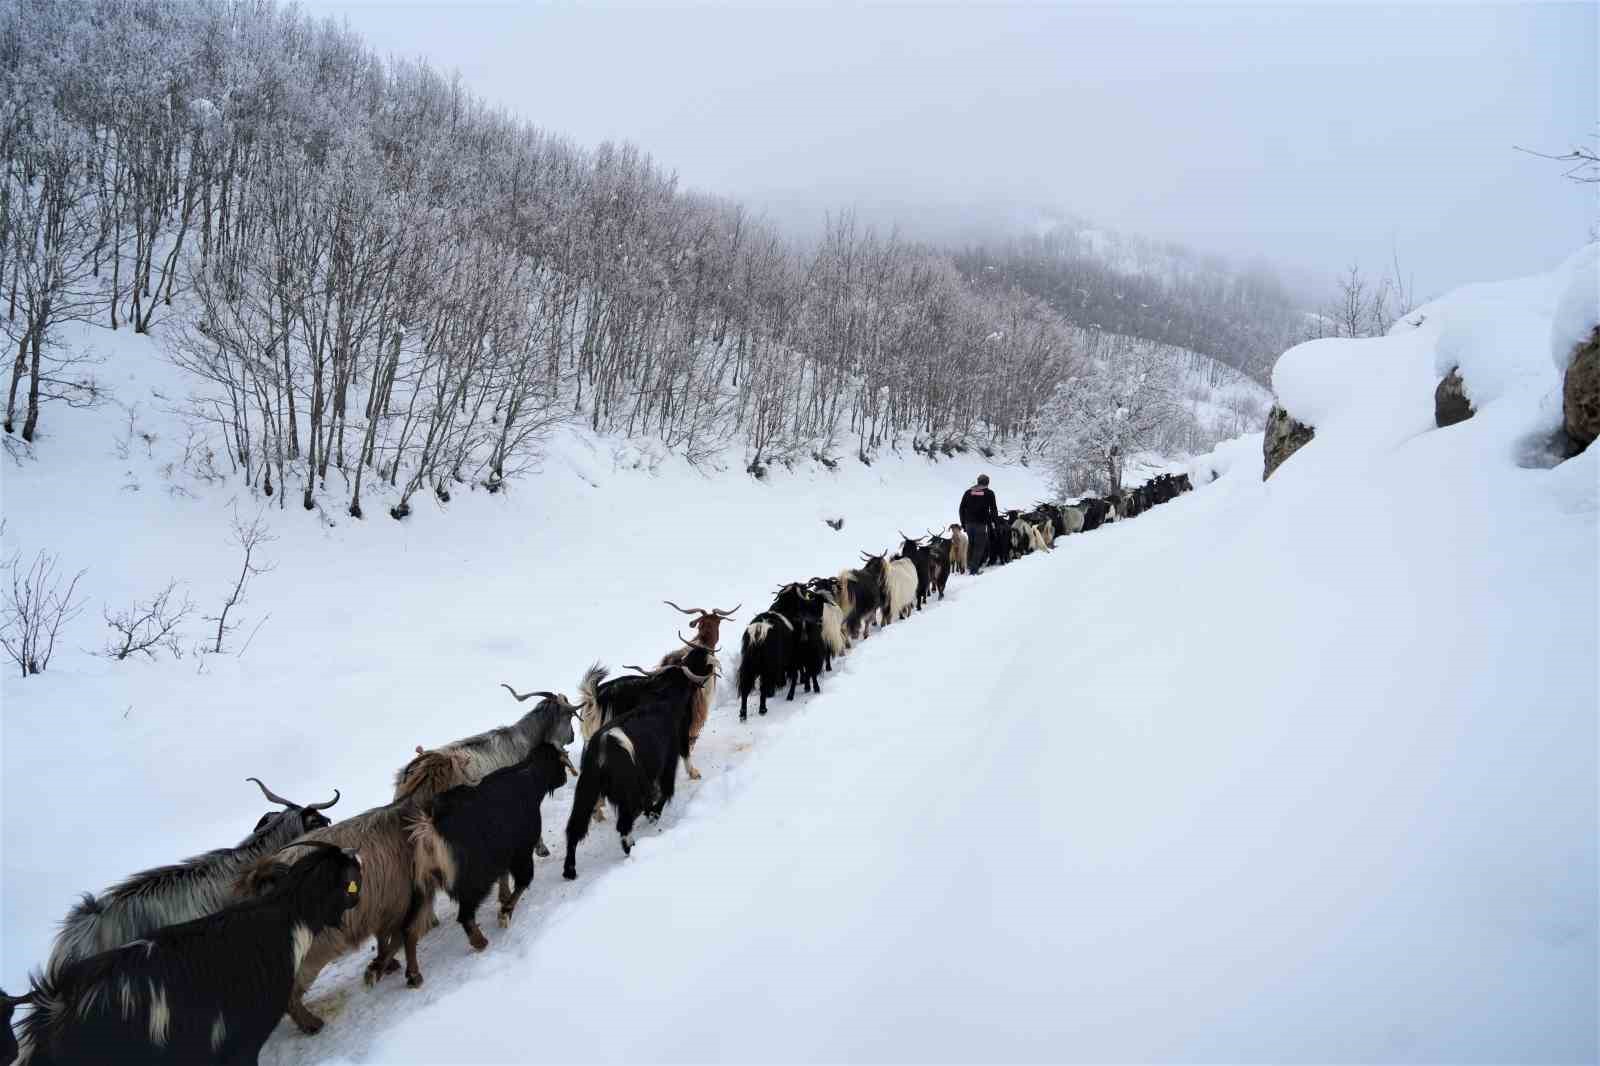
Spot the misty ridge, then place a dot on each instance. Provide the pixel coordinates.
(364, 264)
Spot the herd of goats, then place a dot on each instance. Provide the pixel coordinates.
(196, 962)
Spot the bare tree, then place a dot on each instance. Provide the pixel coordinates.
(145, 627)
(250, 537)
(36, 607)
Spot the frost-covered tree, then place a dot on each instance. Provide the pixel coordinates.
(1114, 407)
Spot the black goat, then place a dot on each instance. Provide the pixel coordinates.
(1000, 551)
(938, 550)
(209, 990)
(633, 763)
(913, 551)
(1094, 512)
(770, 650)
(470, 836)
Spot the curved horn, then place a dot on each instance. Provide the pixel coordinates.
(640, 669)
(15, 1001)
(686, 610)
(323, 806)
(271, 795)
(698, 679)
(720, 613)
(521, 696)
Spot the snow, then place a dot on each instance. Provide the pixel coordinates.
(1578, 306)
(1295, 770)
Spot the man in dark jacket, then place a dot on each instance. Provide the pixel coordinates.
(978, 509)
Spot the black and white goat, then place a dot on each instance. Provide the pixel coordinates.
(771, 650)
(209, 990)
(469, 837)
(167, 895)
(913, 552)
(861, 596)
(633, 763)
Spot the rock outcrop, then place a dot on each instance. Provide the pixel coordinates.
(1450, 403)
(1284, 437)
(1580, 394)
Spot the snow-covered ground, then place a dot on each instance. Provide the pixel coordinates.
(1296, 770)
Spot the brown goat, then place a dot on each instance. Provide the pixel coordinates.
(708, 635)
(389, 908)
(705, 695)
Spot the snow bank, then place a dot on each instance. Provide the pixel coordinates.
(1577, 307)
(1377, 392)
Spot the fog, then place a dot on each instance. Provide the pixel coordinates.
(1311, 137)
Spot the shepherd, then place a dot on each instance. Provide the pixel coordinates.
(978, 509)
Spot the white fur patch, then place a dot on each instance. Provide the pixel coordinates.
(299, 943)
(160, 1016)
(757, 632)
(219, 1032)
(125, 995)
(622, 739)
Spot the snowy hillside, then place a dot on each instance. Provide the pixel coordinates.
(1302, 769)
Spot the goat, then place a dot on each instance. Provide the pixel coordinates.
(390, 909)
(938, 550)
(207, 990)
(708, 634)
(633, 763)
(914, 553)
(704, 697)
(1000, 548)
(1094, 512)
(860, 598)
(471, 836)
(468, 760)
(769, 651)
(835, 634)
(811, 647)
(902, 577)
(167, 895)
(958, 548)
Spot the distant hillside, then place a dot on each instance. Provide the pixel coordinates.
(1161, 291)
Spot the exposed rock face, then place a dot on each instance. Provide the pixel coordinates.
(1283, 438)
(1450, 403)
(1580, 394)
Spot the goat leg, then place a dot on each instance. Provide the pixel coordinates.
(309, 1023)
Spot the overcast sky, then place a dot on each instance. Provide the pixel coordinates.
(1310, 136)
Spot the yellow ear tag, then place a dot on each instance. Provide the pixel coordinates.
(351, 888)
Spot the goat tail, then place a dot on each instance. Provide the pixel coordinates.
(589, 699)
(586, 796)
(433, 863)
(846, 597)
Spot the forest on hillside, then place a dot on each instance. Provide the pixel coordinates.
(363, 265)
